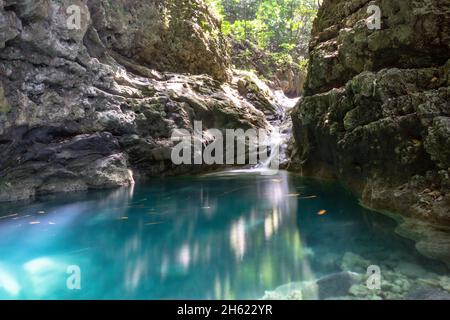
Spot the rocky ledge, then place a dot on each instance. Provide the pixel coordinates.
(95, 106)
(376, 112)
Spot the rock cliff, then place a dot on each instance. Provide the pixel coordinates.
(286, 76)
(376, 111)
(88, 97)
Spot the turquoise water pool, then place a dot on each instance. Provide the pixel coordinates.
(222, 236)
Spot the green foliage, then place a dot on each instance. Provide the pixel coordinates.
(279, 26)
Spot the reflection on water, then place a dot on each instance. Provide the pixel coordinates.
(212, 237)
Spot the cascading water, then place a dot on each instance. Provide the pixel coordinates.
(281, 133)
(276, 142)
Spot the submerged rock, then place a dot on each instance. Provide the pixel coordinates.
(431, 240)
(427, 293)
(336, 285)
(444, 282)
(360, 291)
(354, 262)
(410, 269)
(328, 287)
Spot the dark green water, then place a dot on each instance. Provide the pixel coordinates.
(210, 237)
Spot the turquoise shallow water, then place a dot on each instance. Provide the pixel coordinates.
(209, 237)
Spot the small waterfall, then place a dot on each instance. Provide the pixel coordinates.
(274, 144)
(277, 140)
(282, 131)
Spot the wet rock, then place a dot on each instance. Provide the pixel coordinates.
(410, 269)
(444, 282)
(71, 164)
(336, 285)
(427, 293)
(431, 241)
(360, 291)
(395, 285)
(332, 286)
(290, 291)
(293, 295)
(355, 263)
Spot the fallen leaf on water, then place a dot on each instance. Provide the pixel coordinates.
(34, 222)
(139, 206)
(9, 216)
(322, 212)
(153, 223)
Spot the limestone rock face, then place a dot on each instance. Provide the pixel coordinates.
(413, 35)
(257, 93)
(376, 112)
(288, 76)
(86, 107)
(167, 35)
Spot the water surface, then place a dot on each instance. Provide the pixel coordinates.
(231, 236)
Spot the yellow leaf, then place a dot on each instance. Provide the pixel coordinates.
(293, 195)
(153, 223)
(309, 197)
(9, 216)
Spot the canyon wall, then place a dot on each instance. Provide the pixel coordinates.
(376, 111)
(92, 102)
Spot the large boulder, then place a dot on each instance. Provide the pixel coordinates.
(412, 35)
(167, 35)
